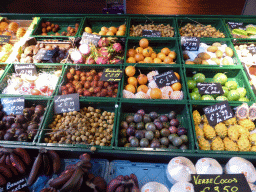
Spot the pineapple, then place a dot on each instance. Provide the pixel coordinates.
(196, 117)
(221, 130)
(247, 123)
(244, 143)
(204, 144)
(217, 144)
(230, 145)
(209, 132)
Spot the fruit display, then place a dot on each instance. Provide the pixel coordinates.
(5, 51)
(124, 183)
(1, 71)
(200, 30)
(144, 86)
(232, 90)
(146, 54)
(108, 31)
(43, 83)
(153, 130)
(12, 28)
(109, 50)
(212, 54)
(90, 126)
(87, 84)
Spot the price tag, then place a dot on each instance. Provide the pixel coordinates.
(151, 33)
(28, 69)
(166, 79)
(218, 113)
(112, 74)
(219, 183)
(252, 49)
(190, 43)
(210, 88)
(66, 103)
(236, 25)
(4, 39)
(88, 38)
(18, 184)
(13, 105)
(49, 54)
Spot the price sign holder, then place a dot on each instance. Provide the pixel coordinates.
(112, 74)
(28, 69)
(218, 113)
(13, 105)
(17, 184)
(236, 25)
(166, 79)
(224, 182)
(88, 38)
(190, 43)
(151, 33)
(210, 88)
(66, 103)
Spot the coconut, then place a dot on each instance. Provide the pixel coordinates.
(179, 169)
(182, 187)
(253, 187)
(154, 187)
(240, 165)
(208, 166)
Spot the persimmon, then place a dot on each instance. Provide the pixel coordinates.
(143, 43)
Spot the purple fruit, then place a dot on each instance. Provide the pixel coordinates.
(165, 132)
(144, 142)
(134, 142)
(146, 119)
(173, 129)
(184, 138)
(183, 147)
(157, 134)
(139, 134)
(32, 126)
(163, 118)
(122, 141)
(141, 112)
(150, 127)
(16, 126)
(174, 122)
(130, 131)
(149, 135)
(153, 115)
(155, 144)
(8, 136)
(140, 126)
(172, 147)
(137, 118)
(172, 115)
(18, 132)
(172, 136)
(23, 137)
(129, 139)
(2, 132)
(1, 114)
(20, 119)
(132, 124)
(158, 125)
(164, 141)
(177, 141)
(10, 130)
(24, 125)
(129, 119)
(166, 125)
(182, 131)
(124, 124)
(123, 133)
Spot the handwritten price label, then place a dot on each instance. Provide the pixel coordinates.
(111, 74)
(14, 105)
(210, 88)
(66, 103)
(28, 69)
(166, 79)
(190, 43)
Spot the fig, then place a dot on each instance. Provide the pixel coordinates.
(130, 138)
(157, 134)
(172, 136)
(132, 124)
(134, 142)
(183, 147)
(153, 115)
(155, 144)
(184, 138)
(149, 135)
(141, 112)
(174, 122)
(158, 125)
(139, 134)
(166, 125)
(172, 115)
(150, 127)
(146, 119)
(182, 131)
(163, 118)
(177, 141)
(173, 129)
(137, 118)
(130, 131)
(165, 132)
(164, 141)
(39, 110)
(129, 119)
(140, 126)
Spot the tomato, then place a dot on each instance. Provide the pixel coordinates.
(35, 92)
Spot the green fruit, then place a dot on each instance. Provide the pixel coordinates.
(225, 90)
(233, 95)
(244, 99)
(221, 98)
(199, 77)
(207, 97)
(220, 78)
(231, 85)
(195, 90)
(191, 84)
(195, 96)
(242, 91)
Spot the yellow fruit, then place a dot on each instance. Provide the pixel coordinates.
(231, 121)
(204, 144)
(156, 93)
(143, 43)
(244, 143)
(217, 144)
(199, 132)
(204, 118)
(110, 33)
(230, 145)
(130, 60)
(196, 117)
(148, 60)
(130, 71)
(242, 130)
(221, 130)
(153, 55)
(133, 81)
(112, 29)
(102, 33)
(104, 29)
(142, 88)
(147, 52)
(88, 30)
(247, 123)
(130, 88)
(233, 133)
(253, 139)
(165, 51)
(209, 132)
(120, 33)
(161, 56)
(157, 60)
(253, 148)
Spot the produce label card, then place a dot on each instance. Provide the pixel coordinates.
(88, 38)
(218, 113)
(190, 43)
(28, 69)
(166, 79)
(236, 25)
(210, 88)
(219, 183)
(4, 39)
(112, 74)
(66, 103)
(13, 105)
(20, 183)
(151, 33)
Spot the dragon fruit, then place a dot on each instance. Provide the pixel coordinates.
(115, 61)
(77, 57)
(103, 51)
(103, 42)
(117, 47)
(102, 60)
(85, 49)
(90, 60)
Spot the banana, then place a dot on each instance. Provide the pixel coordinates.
(135, 179)
(85, 157)
(113, 185)
(55, 160)
(13, 169)
(47, 166)
(35, 169)
(17, 163)
(7, 160)
(87, 165)
(5, 171)
(127, 189)
(2, 180)
(120, 188)
(23, 154)
(2, 159)
(79, 184)
(72, 182)
(58, 182)
(135, 189)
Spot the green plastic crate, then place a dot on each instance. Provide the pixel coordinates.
(237, 75)
(5, 67)
(29, 102)
(182, 110)
(87, 68)
(214, 22)
(95, 23)
(108, 106)
(222, 41)
(157, 44)
(63, 22)
(40, 68)
(145, 71)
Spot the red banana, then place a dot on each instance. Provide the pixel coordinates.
(17, 163)
(5, 171)
(79, 184)
(55, 160)
(47, 167)
(23, 154)
(113, 185)
(58, 182)
(120, 188)
(2, 159)
(35, 169)
(135, 179)
(13, 169)
(7, 160)
(2, 180)
(85, 157)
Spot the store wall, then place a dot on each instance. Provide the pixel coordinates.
(250, 8)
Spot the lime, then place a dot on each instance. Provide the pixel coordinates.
(233, 95)
(199, 77)
(221, 98)
(195, 96)
(231, 85)
(191, 84)
(220, 78)
(244, 99)
(195, 90)
(225, 90)
(207, 97)
(241, 91)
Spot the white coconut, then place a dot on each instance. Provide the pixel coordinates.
(208, 166)
(180, 169)
(182, 187)
(253, 187)
(154, 187)
(240, 165)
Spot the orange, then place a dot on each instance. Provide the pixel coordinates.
(161, 56)
(131, 53)
(110, 33)
(143, 88)
(177, 75)
(143, 43)
(120, 33)
(153, 55)
(130, 71)
(139, 50)
(133, 81)
(130, 88)
(165, 51)
(176, 86)
(130, 60)
(148, 60)
(112, 29)
(122, 28)
(88, 30)
(168, 60)
(155, 93)
(147, 52)
(157, 60)
(104, 29)
(102, 33)
(139, 57)
(172, 54)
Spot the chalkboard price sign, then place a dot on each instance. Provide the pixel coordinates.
(166, 79)
(219, 183)
(236, 25)
(4, 39)
(88, 38)
(151, 33)
(13, 105)
(218, 113)
(210, 88)
(16, 185)
(28, 69)
(112, 74)
(66, 103)
(190, 43)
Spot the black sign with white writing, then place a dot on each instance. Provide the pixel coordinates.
(13, 105)
(218, 113)
(215, 183)
(4, 39)
(210, 88)
(151, 33)
(166, 79)
(28, 69)
(236, 25)
(88, 38)
(66, 103)
(19, 184)
(112, 74)
(190, 43)
(49, 54)
(40, 54)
